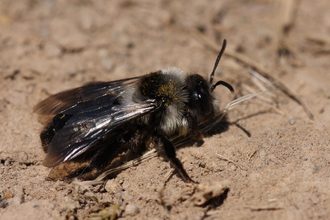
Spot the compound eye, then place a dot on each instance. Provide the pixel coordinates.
(202, 102)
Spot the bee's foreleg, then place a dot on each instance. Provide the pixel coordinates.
(164, 145)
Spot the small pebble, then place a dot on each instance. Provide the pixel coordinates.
(6, 163)
(292, 120)
(131, 210)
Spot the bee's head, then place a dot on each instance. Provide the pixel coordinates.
(200, 98)
(200, 91)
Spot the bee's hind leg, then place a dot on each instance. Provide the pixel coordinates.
(164, 145)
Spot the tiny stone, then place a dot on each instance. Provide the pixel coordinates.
(131, 210)
(202, 164)
(233, 167)
(3, 202)
(6, 163)
(292, 120)
(112, 186)
(23, 157)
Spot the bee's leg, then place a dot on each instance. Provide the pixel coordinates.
(193, 126)
(164, 145)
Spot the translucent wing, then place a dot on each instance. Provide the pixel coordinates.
(85, 115)
(91, 95)
(83, 131)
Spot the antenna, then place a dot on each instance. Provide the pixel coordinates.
(224, 84)
(217, 61)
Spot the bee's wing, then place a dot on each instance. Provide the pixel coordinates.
(83, 131)
(104, 92)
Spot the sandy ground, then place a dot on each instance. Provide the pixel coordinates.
(279, 171)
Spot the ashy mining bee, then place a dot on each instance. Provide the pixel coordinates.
(96, 122)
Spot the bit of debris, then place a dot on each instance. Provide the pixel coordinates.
(131, 210)
(209, 190)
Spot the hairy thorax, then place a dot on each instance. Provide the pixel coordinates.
(168, 87)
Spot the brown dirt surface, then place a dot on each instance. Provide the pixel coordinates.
(275, 159)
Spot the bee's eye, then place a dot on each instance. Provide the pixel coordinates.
(200, 98)
(201, 101)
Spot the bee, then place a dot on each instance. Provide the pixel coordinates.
(96, 122)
